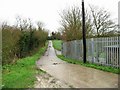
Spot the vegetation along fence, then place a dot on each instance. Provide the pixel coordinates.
(103, 51)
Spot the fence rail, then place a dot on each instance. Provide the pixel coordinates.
(103, 51)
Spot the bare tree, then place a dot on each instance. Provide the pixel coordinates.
(88, 24)
(24, 24)
(40, 25)
(4, 25)
(102, 23)
(71, 22)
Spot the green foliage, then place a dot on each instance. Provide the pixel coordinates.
(10, 47)
(55, 36)
(58, 36)
(99, 67)
(22, 74)
(30, 40)
(19, 44)
(40, 36)
(57, 44)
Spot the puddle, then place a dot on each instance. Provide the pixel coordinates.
(76, 75)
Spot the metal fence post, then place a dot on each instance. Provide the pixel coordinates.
(92, 49)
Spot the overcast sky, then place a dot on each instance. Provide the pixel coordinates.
(48, 11)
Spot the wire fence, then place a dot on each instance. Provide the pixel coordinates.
(103, 51)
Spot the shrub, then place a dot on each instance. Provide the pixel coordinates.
(19, 44)
(10, 48)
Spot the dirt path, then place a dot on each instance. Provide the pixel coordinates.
(75, 75)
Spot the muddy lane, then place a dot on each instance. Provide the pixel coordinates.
(76, 75)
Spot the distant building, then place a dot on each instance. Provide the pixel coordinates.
(119, 15)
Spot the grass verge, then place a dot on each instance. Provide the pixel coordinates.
(22, 74)
(99, 67)
(57, 44)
